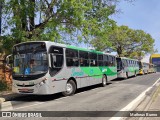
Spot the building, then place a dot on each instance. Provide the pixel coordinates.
(155, 59)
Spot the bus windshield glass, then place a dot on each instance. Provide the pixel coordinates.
(156, 61)
(30, 59)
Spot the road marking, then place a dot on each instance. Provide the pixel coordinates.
(132, 105)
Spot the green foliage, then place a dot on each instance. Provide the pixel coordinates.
(69, 21)
(126, 42)
(6, 44)
(56, 16)
(3, 85)
(51, 20)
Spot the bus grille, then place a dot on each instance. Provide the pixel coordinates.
(25, 85)
(26, 90)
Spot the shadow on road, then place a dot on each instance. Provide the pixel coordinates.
(38, 98)
(118, 79)
(90, 88)
(43, 98)
(121, 79)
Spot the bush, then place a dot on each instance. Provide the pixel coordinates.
(3, 85)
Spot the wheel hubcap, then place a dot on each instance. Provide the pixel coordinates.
(104, 81)
(69, 88)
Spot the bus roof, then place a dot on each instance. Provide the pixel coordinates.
(29, 42)
(67, 46)
(128, 58)
(155, 56)
(84, 49)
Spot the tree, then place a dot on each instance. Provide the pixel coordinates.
(141, 44)
(55, 16)
(56, 20)
(126, 42)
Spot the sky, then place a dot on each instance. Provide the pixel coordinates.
(141, 14)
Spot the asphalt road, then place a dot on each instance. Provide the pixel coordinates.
(114, 97)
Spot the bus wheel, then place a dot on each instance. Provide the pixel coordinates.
(143, 72)
(104, 81)
(126, 75)
(135, 74)
(70, 88)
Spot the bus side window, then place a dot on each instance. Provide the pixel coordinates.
(126, 63)
(105, 60)
(100, 60)
(93, 59)
(83, 58)
(72, 58)
(132, 63)
(110, 60)
(123, 64)
(114, 62)
(129, 63)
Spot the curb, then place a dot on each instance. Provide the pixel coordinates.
(2, 100)
(137, 101)
(8, 97)
(150, 100)
(6, 106)
(4, 95)
(5, 101)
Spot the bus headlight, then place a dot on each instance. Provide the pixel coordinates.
(43, 81)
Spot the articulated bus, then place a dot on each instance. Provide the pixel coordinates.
(127, 67)
(143, 68)
(48, 68)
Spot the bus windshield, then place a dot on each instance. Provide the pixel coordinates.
(156, 61)
(30, 59)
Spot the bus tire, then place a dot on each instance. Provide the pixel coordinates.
(126, 75)
(70, 88)
(104, 81)
(135, 74)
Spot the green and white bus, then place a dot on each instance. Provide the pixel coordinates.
(46, 68)
(127, 67)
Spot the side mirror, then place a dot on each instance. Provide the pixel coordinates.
(9, 60)
(50, 60)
